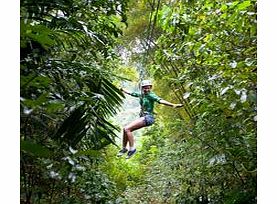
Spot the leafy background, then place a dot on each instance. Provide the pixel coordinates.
(74, 57)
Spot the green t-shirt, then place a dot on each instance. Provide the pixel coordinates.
(147, 100)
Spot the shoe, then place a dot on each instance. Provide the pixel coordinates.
(122, 151)
(130, 154)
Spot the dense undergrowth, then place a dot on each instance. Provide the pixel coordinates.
(74, 56)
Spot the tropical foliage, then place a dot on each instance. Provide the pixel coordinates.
(204, 55)
(74, 54)
(67, 52)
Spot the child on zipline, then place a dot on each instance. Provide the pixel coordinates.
(146, 99)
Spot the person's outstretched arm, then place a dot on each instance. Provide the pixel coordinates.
(125, 91)
(134, 94)
(162, 101)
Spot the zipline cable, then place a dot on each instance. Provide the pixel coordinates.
(152, 22)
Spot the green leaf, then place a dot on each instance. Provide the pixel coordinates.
(88, 153)
(224, 7)
(35, 149)
(54, 106)
(243, 5)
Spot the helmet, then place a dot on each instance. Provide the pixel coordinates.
(146, 83)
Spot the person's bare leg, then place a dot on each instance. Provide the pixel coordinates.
(124, 145)
(124, 140)
(136, 124)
